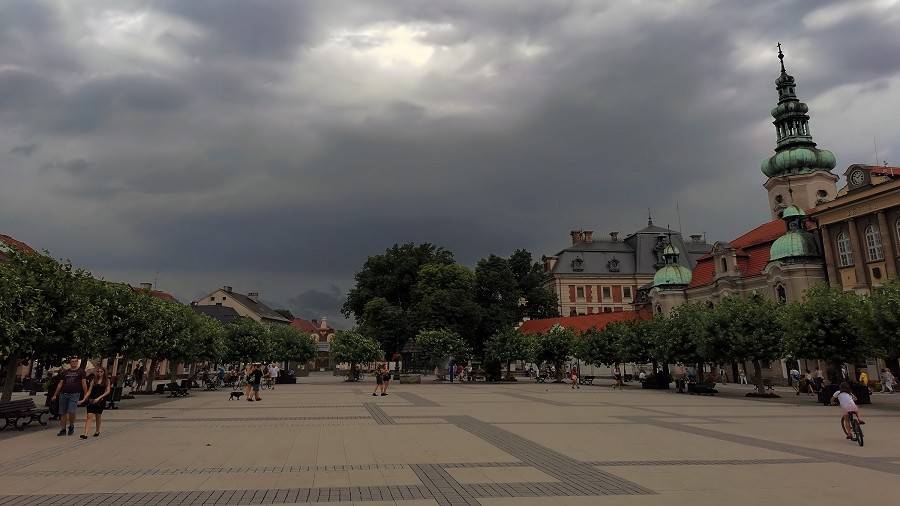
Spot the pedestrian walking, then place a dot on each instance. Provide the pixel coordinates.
(255, 380)
(617, 376)
(274, 371)
(743, 376)
(248, 371)
(887, 381)
(95, 400)
(722, 377)
(379, 379)
(794, 379)
(387, 378)
(72, 385)
(574, 377)
(139, 372)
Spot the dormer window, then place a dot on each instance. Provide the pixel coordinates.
(724, 265)
(613, 265)
(578, 265)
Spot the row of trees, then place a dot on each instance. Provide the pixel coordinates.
(413, 288)
(828, 324)
(50, 310)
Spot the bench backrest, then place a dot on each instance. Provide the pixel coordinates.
(17, 405)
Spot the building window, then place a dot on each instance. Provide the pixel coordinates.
(212, 299)
(897, 226)
(724, 265)
(607, 292)
(780, 294)
(579, 292)
(843, 244)
(607, 310)
(626, 292)
(873, 243)
(572, 311)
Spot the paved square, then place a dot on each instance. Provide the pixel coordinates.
(324, 440)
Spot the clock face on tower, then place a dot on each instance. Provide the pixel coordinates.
(857, 177)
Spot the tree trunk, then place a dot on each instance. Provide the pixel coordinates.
(120, 377)
(508, 369)
(150, 375)
(11, 366)
(757, 370)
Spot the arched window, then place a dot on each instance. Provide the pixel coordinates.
(873, 243)
(897, 227)
(724, 265)
(780, 293)
(843, 244)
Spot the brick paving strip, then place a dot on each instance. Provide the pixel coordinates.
(532, 398)
(417, 400)
(378, 414)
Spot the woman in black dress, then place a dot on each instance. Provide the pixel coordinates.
(95, 400)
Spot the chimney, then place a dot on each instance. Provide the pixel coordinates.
(576, 237)
(589, 236)
(254, 296)
(324, 324)
(613, 236)
(696, 237)
(147, 286)
(226, 289)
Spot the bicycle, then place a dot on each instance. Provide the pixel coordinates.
(267, 383)
(856, 433)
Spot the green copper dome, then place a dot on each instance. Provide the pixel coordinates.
(672, 275)
(798, 243)
(795, 151)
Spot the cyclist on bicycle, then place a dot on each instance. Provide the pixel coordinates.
(847, 400)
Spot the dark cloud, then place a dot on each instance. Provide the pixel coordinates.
(277, 145)
(25, 149)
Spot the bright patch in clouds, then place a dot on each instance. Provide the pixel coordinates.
(390, 45)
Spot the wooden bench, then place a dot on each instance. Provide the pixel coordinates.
(586, 380)
(115, 396)
(13, 411)
(175, 390)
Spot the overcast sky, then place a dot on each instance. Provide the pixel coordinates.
(274, 146)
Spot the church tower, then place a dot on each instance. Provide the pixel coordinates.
(799, 173)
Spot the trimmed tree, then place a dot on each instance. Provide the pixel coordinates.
(509, 345)
(824, 325)
(555, 347)
(352, 347)
(437, 345)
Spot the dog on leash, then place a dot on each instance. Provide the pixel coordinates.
(235, 395)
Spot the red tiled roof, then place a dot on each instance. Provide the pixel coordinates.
(579, 323)
(12, 242)
(752, 250)
(305, 326)
(159, 294)
(885, 171)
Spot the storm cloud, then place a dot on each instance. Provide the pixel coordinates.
(274, 146)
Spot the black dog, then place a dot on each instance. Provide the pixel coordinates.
(235, 395)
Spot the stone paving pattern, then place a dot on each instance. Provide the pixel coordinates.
(324, 440)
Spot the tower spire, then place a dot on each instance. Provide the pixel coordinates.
(795, 151)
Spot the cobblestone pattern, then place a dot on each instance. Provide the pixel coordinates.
(577, 478)
(443, 487)
(378, 414)
(417, 400)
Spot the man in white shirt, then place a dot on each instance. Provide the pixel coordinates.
(273, 373)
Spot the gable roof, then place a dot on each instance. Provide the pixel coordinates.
(578, 323)
(259, 308)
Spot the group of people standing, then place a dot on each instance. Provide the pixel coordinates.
(382, 379)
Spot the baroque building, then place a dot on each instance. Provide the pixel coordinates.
(605, 275)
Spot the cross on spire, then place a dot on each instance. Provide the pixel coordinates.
(781, 57)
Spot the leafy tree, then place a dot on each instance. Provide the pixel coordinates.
(445, 295)
(353, 347)
(497, 293)
(248, 341)
(596, 347)
(392, 276)
(290, 344)
(687, 325)
(879, 320)
(742, 330)
(385, 322)
(554, 347)
(509, 345)
(642, 345)
(824, 325)
(436, 345)
(539, 302)
(47, 311)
